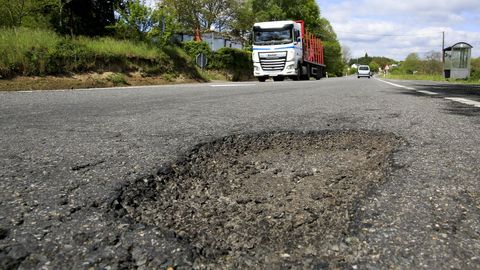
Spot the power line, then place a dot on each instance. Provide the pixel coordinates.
(389, 35)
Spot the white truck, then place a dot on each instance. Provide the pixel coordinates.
(284, 49)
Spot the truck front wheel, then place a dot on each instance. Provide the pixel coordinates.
(300, 76)
(318, 74)
(305, 75)
(262, 79)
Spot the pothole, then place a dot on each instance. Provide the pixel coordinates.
(271, 199)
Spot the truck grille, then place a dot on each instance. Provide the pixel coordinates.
(274, 61)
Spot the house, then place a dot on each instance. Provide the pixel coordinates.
(214, 39)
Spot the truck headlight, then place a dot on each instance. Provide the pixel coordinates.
(290, 67)
(291, 56)
(255, 57)
(256, 68)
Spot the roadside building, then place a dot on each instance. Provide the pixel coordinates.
(457, 61)
(214, 39)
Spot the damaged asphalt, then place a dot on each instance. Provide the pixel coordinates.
(339, 173)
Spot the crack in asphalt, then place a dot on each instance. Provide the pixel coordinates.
(87, 165)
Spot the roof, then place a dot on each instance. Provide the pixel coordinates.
(274, 24)
(459, 45)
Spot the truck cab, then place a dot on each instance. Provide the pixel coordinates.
(285, 49)
(277, 49)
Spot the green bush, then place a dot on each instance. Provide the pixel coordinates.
(234, 61)
(183, 63)
(475, 75)
(117, 79)
(70, 56)
(193, 48)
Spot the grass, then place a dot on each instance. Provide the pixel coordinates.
(423, 77)
(110, 46)
(39, 52)
(17, 45)
(214, 75)
(416, 77)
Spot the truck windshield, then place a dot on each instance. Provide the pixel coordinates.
(273, 36)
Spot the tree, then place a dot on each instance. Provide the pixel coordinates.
(333, 58)
(134, 20)
(193, 15)
(85, 17)
(75, 17)
(268, 10)
(383, 61)
(374, 66)
(366, 60)
(217, 13)
(164, 24)
(306, 10)
(29, 13)
(411, 64)
(241, 25)
(14, 11)
(433, 63)
(346, 54)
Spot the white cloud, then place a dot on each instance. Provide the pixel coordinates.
(395, 28)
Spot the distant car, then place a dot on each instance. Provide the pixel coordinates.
(363, 71)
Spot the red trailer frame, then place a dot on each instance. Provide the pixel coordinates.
(312, 47)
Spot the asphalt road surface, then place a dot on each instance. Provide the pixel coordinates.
(338, 173)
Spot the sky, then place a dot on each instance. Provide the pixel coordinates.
(395, 28)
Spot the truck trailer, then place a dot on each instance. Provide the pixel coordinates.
(284, 49)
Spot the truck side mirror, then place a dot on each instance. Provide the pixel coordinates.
(297, 36)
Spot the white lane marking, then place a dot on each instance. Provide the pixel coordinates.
(427, 92)
(461, 100)
(232, 85)
(466, 101)
(409, 88)
(397, 85)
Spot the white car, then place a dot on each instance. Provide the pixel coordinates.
(363, 71)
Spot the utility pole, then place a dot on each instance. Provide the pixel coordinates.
(443, 52)
(443, 47)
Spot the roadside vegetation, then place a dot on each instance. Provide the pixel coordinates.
(374, 62)
(428, 67)
(40, 52)
(131, 41)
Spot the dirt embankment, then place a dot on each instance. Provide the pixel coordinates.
(272, 199)
(88, 80)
